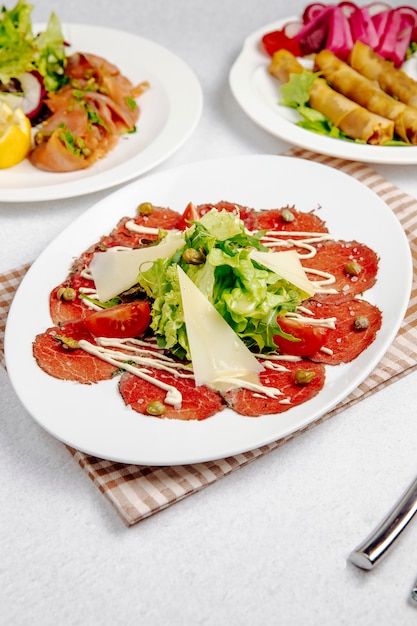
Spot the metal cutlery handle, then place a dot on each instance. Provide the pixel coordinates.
(376, 545)
(414, 592)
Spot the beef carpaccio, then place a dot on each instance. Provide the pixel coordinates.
(332, 326)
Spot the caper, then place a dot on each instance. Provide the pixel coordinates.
(156, 407)
(287, 216)
(68, 294)
(360, 322)
(304, 377)
(353, 268)
(67, 342)
(145, 208)
(193, 257)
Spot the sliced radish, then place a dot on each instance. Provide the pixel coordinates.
(362, 27)
(410, 12)
(380, 21)
(378, 7)
(30, 98)
(312, 36)
(292, 28)
(336, 27)
(312, 11)
(348, 8)
(393, 46)
(33, 93)
(339, 39)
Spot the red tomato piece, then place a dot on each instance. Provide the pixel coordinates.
(122, 321)
(277, 40)
(309, 337)
(189, 215)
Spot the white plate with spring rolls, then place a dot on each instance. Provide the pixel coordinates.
(258, 94)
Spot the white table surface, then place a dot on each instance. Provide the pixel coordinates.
(266, 545)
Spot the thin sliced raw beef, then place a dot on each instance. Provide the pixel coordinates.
(76, 365)
(252, 404)
(198, 403)
(342, 345)
(345, 343)
(63, 311)
(274, 219)
(246, 214)
(333, 257)
(163, 218)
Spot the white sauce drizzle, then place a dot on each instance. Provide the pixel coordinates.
(326, 350)
(273, 239)
(173, 396)
(327, 322)
(116, 352)
(127, 353)
(270, 392)
(136, 228)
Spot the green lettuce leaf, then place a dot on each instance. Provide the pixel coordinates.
(23, 51)
(248, 296)
(296, 94)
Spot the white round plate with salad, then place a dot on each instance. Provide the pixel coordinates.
(170, 111)
(257, 93)
(93, 418)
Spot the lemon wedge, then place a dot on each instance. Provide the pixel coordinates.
(15, 135)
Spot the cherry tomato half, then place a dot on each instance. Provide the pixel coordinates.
(309, 337)
(123, 320)
(189, 215)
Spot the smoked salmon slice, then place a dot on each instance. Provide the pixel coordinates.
(87, 115)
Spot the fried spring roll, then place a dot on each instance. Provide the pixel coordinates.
(393, 81)
(368, 94)
(351, 118)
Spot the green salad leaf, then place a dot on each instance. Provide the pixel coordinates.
(296, 94)
(216, 257)
(23, 51)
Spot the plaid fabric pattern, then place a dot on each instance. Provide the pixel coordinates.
(137, 492)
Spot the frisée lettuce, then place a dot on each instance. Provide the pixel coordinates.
(216, 257)
(23, 51)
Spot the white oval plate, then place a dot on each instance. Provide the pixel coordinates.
(93, 418)
(257, 93)
(170, 111)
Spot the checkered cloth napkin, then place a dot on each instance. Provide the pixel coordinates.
(138, 491)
